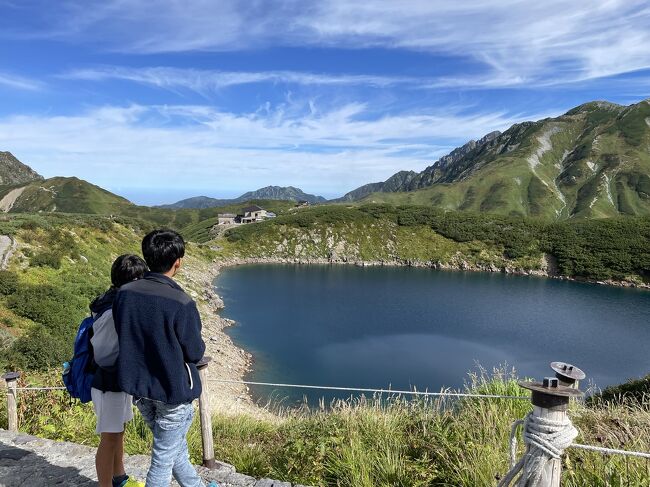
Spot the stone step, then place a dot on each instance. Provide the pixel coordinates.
(34, 462)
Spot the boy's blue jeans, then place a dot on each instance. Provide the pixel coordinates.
(169, 424)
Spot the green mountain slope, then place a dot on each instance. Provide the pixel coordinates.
(593, 161)
(67, 195)
(396, 182)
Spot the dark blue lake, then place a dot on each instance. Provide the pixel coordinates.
(404, 327)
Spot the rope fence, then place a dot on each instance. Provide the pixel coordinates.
(611, 451)
(49, 388)
(374, 391)
(547, 430)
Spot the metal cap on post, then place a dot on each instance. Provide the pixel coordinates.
(567, 374)
(204, 415)
(12, 399)
(550, 394)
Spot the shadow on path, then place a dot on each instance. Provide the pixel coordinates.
(19, 467)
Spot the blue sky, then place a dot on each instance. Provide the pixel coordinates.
(160, 100)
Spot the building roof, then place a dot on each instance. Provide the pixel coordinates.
(249, 209)
(226, 215)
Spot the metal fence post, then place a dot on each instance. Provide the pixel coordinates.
(204, 415)
(12, 399)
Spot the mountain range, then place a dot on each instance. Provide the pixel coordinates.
(287, 193)
(593, 161)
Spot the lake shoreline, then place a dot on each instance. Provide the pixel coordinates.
(232, 362)
(547, 269)
(229, 362)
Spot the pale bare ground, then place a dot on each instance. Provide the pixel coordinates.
(7, 247)
(10, 198)
(229, 362)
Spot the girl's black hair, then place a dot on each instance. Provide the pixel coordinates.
(127, 268)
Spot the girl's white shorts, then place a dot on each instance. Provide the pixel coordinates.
(113, 410)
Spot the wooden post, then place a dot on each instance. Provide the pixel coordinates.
(550, 401)
(12, 399)
(552, 472)
(204, 415)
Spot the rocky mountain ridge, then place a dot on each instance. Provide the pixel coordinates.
(593, 161)
(14, 172)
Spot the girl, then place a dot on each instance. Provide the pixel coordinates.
(112, 406)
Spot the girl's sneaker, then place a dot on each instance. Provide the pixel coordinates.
(129, 482)
(213, 484)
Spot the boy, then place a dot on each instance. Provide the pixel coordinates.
(113, 407)
(159, 332)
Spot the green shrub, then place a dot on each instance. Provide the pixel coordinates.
(60, 312)
(8, 282)
(39, 349)
(48, 258)
(633, 391)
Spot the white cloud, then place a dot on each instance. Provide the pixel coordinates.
(327, 152)
(516, 39)
(19, 82)
(205, 81)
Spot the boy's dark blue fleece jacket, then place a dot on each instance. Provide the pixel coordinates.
(159, 331)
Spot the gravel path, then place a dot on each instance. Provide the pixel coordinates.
(35, 462)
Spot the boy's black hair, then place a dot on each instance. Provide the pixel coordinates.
(161, 248)
(127, 268)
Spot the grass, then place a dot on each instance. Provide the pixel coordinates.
(386, 441)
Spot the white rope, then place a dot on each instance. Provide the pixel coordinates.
(6, 390)
(611, 451)
(545, 440)
(40, 388)
(361, 389)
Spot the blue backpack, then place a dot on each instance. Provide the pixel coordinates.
(79, 372)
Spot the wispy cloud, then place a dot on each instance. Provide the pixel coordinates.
(204, 81)
(515, 39)
(327, 152)
(19, 82)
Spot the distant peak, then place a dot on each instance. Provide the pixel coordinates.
(12, 171)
